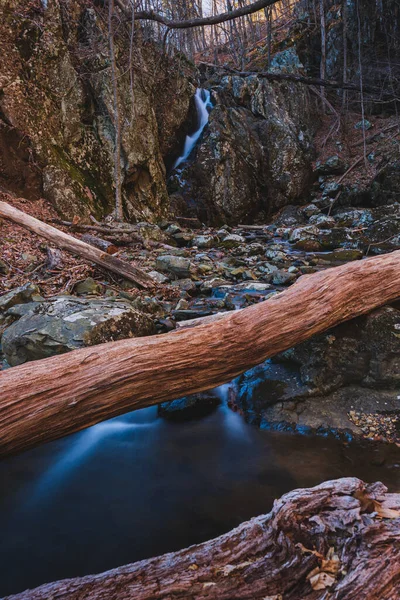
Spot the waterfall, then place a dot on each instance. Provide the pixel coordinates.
(203, 102)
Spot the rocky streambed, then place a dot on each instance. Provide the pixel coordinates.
(347, 379)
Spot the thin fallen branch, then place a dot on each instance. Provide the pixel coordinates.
(50, 398)
(67, 242)
(97, 228)
(336, 541)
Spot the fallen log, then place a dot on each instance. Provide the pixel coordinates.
(50, 398)
(67, 242)
(104, 245)
(339, 540)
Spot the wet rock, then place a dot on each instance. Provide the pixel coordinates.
(190, 407)
(176, 265)
(66, 323)
(354, 366)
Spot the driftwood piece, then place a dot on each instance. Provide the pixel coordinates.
(104, 245)
(56, 396)
(337, 541)
(63, 240)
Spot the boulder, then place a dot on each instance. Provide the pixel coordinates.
(176, 265)
(255, 155)
(66, 323)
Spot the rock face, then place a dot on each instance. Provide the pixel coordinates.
(255, 154)
(53, 327)
(320, 383)
(56, 110)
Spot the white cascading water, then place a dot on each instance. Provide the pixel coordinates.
(203, 102)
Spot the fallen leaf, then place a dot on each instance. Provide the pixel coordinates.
(321, 580)
(385, 513)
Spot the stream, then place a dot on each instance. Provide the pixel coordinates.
(138, 486)
(203, 104)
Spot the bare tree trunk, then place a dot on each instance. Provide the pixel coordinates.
(323, 47)
(339, 540)
(119, 214)
(63, 240)
(62, 394)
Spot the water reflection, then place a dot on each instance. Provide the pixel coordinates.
(137, 486)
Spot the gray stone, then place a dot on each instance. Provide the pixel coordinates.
(176, 265)
(158, 277)
(204, 241)
(20, 295)
(283, 278)
(233, 240)
(88, 286)
(66, 323)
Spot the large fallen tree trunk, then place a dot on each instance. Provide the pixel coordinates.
(68, 242)
(50, 398)
(337, 541)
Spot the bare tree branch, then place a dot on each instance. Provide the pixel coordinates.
(150, 15)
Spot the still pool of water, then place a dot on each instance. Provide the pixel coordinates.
(137, 486)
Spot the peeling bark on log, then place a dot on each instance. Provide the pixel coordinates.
(339, 540)
(50, 398)
(67, 242)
